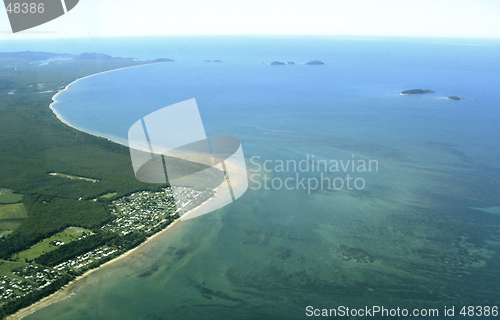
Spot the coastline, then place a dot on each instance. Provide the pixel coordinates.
(66, 291)
(54, 100)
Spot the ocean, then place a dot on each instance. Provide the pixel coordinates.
(419, 229)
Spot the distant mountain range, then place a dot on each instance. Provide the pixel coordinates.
(39, 56)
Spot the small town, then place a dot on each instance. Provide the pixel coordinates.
(145, 211)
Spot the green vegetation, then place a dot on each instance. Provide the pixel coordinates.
(69, 176)
(33, 144)
(12, 211)
(8, 266)
(74, 249)
(110, 195)
(11, 217)
(34, 296)
(7, 196)
(47, 216)
(51, 243)
(69, 201)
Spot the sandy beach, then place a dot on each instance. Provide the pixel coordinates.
(97, 134)
(65, 291)
(213, 203)
(207, 206)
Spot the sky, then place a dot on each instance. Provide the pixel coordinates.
(426, 18)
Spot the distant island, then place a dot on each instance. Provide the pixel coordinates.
(315, 63)
(421, 91)
(415, 91)
(458, 98)
(280, 63)
(164, 60)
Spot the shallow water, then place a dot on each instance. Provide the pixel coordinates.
(410, 238)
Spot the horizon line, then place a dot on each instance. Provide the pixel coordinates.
(2, 32)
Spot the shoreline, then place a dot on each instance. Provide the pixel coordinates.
(96, 134)
(67, 290)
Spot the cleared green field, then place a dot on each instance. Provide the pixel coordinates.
(12, 211)
(11, 217)
(7, 196)
(8, 266)
(47, 244)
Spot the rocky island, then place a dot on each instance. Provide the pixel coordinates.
(415, 91)
(277, 63)
(315, 63)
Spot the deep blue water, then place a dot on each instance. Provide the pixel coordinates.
(409, 239)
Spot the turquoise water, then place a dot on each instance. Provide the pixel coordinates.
(412, 237)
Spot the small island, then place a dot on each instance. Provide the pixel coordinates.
(455, 98)
(415, 91)
(164, 60)
(315, 63)
(312, 63)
